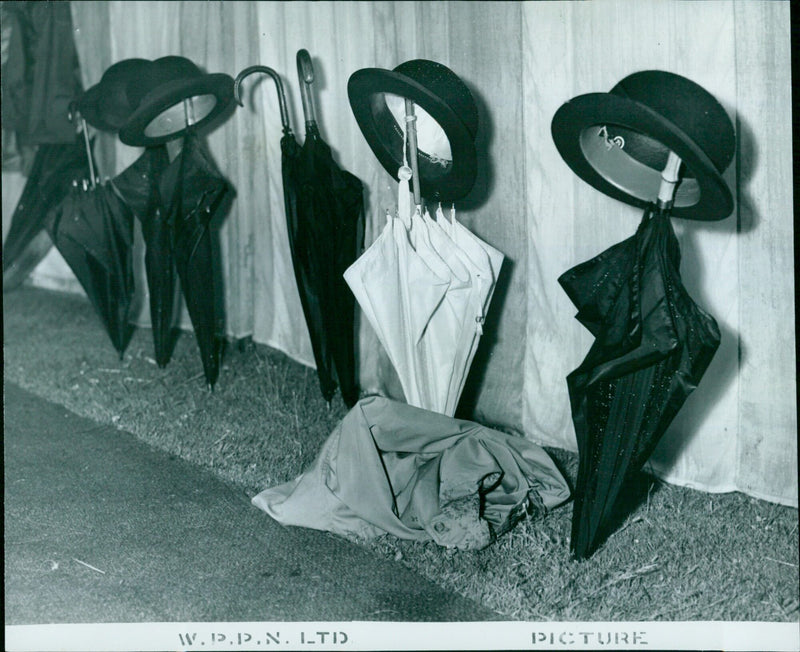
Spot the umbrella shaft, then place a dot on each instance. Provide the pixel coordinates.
(411, 130)
(88, 152)
(188, 111)
(669, 180)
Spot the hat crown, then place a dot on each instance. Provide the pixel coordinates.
(117, 75)
(688, 106)
(442, 81)
(106, 105)
(165, 70)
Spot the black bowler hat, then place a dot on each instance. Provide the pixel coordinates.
(447, 120)
(158, 99)
(105, 105)
(619, 142)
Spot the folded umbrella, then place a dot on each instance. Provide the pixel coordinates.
(324, 216)
(399, 291)
(56, 168)
(93, 231)
(425, 285)
(194, 191)
(325, 233)
(138, 185)
(652, 347)
(659, 141)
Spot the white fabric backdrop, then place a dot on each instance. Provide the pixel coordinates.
(738, 431)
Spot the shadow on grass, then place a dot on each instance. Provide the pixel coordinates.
(634, 493)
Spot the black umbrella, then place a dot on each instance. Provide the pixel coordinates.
(55, 169)
(194, 191)
(324, 214)
(93, 231)
(138, 185)
(652, 346)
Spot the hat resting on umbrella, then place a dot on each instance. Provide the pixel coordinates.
(447, 121)
(159, 113)
(619, 142)
(652, 342)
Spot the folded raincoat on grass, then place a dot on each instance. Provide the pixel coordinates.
(391, 467)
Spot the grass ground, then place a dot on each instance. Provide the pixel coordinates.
(679, 555)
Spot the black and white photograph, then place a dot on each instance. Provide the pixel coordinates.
(421, 325)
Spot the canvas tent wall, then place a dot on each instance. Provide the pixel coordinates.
(522, 61)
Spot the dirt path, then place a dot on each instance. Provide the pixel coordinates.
(101, 528)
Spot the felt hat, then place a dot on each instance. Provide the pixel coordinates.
(159, 113)
(447, 121)
(105, 105)
(619, 142)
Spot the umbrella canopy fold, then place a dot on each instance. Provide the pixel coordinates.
(324, 215)
(652, 347)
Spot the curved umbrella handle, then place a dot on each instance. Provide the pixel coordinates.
(276, 77)
(305, 73)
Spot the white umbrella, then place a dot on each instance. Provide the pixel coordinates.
(424, 286)
(398, 291)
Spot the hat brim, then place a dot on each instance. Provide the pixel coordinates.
(438, 181)
(138, 130)
(701, 195)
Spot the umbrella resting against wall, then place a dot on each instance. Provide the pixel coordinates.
(55, 169)
(425, 285)
(659, 141)
(139, 186)
(93, 230)
(324, 218)
(194, 193)
(652, 347)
